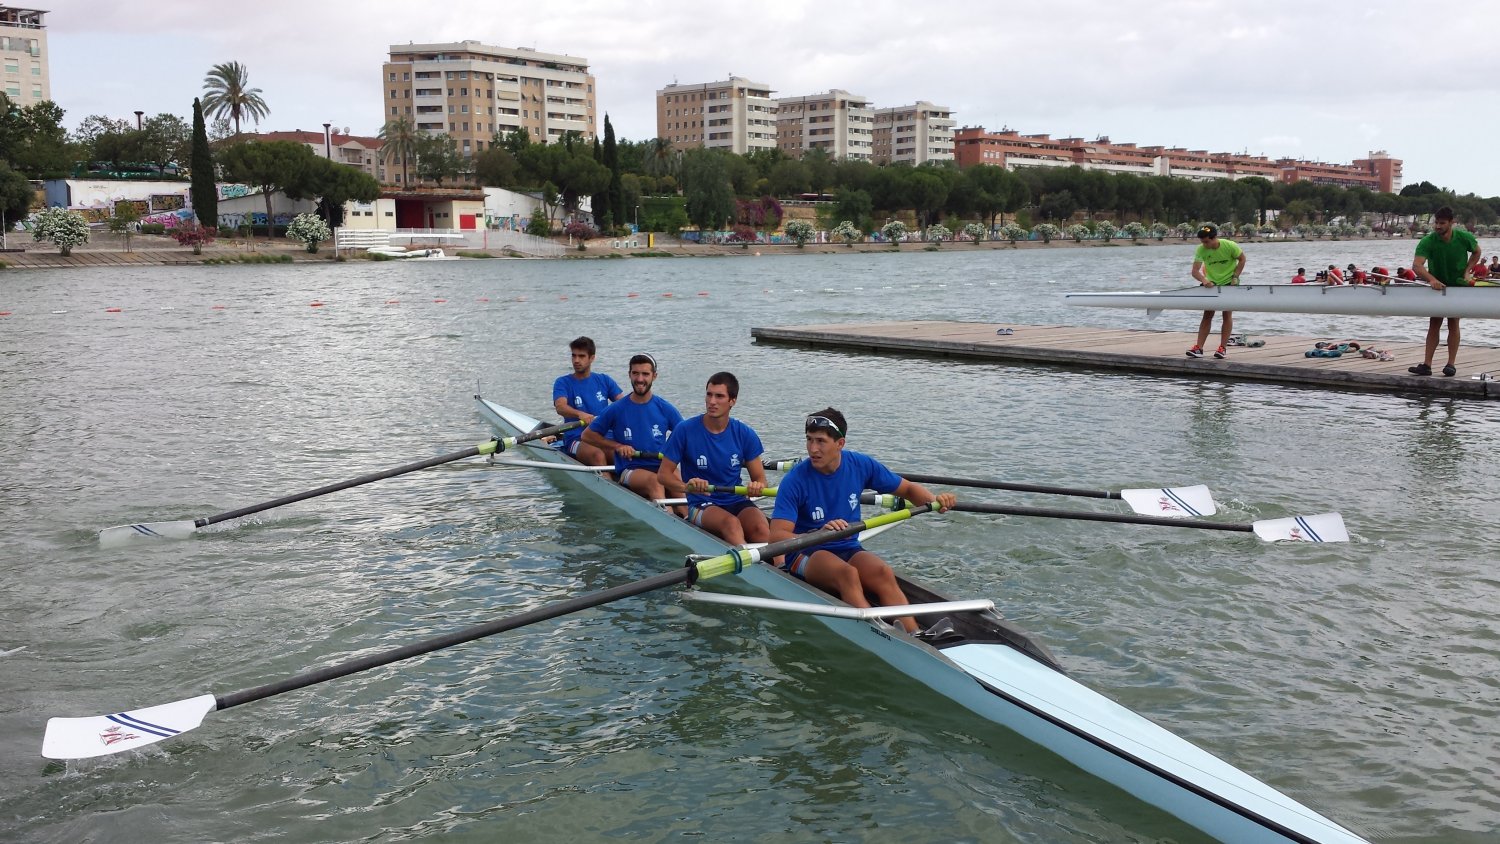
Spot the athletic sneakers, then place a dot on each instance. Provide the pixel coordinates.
(1219, 353)
(1420, 369)
(1195, 352)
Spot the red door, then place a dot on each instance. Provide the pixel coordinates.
(467, 222)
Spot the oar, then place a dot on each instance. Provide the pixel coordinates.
(1327, 527)
(1172, 502)
(101, 735)
(187, 527)
(834, 611)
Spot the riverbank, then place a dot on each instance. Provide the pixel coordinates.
(150, 250)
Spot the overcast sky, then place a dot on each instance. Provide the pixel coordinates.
(1322, 81)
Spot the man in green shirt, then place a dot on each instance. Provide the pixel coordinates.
(1217, 262)
(1445, 257)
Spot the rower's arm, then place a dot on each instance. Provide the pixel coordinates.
(919, 495)
(603, 443)
(781, 530)
(1419, 266)
(567, 411)
(670, 481)
(757, 469)
(1198, 273)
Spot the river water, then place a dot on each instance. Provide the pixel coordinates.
(1360, 678)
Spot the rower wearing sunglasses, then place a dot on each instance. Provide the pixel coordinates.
(822, 493)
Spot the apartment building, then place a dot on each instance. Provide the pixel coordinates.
(337, 146)
(914, 134)
(1013, 150)
(23, 56)
(838, 122)
(736, 115)
(473, 92)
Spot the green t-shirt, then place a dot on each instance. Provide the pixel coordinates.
(1447, 261)
(1219, 264)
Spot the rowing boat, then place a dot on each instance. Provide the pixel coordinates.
(989, 666)
(1403, 300)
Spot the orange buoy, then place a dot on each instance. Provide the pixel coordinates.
(112, 310)
(666, 295)
(439, 301)
(4, 313)
(393, 301)
(315, 304)
(702, 292)
(217, 308)
(484, 298)
(632, 295)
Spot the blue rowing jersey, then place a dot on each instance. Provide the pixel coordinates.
(810, 499)
(590, 395)
(644, 427)
(716, 458)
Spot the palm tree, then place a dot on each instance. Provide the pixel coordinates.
(661, 158)
(227, 94)
(399, 139)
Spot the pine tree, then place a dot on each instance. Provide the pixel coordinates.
(204, 190)
(616, 193)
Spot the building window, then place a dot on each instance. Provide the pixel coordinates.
(463, 92)
(393, 93)
(406, 77)
(393, 109)
(393, 76)
(464, 108)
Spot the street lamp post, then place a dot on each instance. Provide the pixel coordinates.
(638, 218)
(327, 141)
(138, 119)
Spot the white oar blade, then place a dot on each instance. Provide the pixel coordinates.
(1326, 527)
(1176, 502)
(118, 535)
(101, 735)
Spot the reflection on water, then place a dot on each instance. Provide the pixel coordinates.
(1435, 449)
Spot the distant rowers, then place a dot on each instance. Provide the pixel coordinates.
(822, 493)
(712, 449)
(640, 424)
(581, 395)
(1300, 277)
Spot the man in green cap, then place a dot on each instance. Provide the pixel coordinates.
(1445, 257)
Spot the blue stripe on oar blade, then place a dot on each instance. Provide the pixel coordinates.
(125, 719)
(144, 531)
(1312, 534)
(1181, 502)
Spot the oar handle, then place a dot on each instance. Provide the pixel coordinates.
(741, 490)
(737, 559)
(1010, 487)
(1052, 513)
(493, 446)
(468, 634)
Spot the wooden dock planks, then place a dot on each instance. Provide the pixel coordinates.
(1282, 359)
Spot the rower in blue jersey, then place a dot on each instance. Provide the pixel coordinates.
(710, 450)
(822, 493)
(581, 395)
(635, 429)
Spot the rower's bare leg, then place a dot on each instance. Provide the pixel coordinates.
(876, 576)
(590, 455)
(826, 571)
(718, 521)
(1453, 338)
(1227, 329)
(1204, 326)
(754, 524)
(645, 484)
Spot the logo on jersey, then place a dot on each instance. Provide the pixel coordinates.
(734, 461)
(854, 501)
(627, 435)
(817, 514)
(656, 433)
(702, 461)
(578, 401)
(599, 395)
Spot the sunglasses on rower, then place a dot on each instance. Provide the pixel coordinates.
(823, 423)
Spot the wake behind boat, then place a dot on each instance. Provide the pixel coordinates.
(985, 664)
(1402, 300)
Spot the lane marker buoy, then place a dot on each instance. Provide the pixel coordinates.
(112, 310)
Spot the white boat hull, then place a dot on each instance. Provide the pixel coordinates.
(1017, 690)
(1404, 300)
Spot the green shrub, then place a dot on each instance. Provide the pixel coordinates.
(467, 253)
(153, 228)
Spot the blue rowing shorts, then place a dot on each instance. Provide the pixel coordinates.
(695, 511)
(795, 563)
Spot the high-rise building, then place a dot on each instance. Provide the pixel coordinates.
(736, 115)
(914, 134)
(23, 56)
(473, 92)
(838, 122)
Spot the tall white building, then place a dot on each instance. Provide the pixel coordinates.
(838, 122)
(914, 134)
(23, 56)
(473, 92)
(736, 115)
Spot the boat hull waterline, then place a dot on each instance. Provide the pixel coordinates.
(986, 672)
(1405, 300)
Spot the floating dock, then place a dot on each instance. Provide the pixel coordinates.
(1282, 359)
